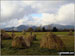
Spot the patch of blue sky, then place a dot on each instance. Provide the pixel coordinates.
(36, 15)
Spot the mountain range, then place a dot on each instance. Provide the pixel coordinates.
(22, 27)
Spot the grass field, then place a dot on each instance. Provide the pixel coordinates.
(35, 48)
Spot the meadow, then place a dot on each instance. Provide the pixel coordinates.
(35, 47)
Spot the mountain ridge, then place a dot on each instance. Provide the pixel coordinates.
(22, 27)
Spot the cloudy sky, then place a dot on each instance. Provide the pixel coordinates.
(15, 13)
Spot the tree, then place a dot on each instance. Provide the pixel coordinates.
(43, 29)
(30, 29)
(49, 28)
(38, 29)
(55, 29)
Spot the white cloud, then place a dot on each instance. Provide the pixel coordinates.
(66, 14)
(15, 9)
(22, 21)
(47, 19)
(47, 6)
(6, 10)
(19, 9)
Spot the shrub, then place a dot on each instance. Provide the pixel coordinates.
(55, 29)
(30, 29)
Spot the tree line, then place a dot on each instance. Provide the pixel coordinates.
(43, 29)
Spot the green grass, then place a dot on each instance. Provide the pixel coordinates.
(35, 48)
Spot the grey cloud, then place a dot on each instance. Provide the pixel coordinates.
(22, 10)
(25, 11)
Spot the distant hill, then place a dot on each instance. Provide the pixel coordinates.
(22, 27)
(62, 26)
(19, 28)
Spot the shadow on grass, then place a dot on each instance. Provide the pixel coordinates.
(47, 50)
